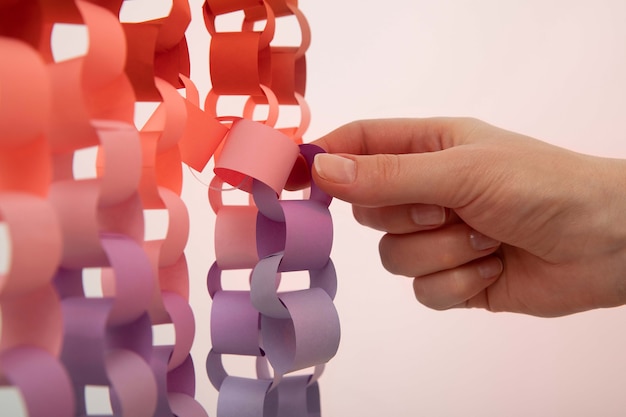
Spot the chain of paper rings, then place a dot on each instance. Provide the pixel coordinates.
(55, 340)
(270, 237)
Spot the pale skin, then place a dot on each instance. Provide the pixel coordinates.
(483, 217)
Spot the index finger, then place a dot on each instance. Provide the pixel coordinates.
(396, 136)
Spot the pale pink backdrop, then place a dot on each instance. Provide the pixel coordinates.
(552, 69)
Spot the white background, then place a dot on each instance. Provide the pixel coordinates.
(550, 69)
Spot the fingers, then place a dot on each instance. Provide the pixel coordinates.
(428, 252)
(464, 286)
(406, 218)
(448, 178)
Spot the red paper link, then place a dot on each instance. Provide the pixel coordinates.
(239, 64)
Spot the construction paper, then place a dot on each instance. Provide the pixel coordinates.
(235, 324)
(26, 216)
(84, 288)
(51, 396)
(247, 147)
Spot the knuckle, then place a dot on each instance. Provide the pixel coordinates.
(387, 167)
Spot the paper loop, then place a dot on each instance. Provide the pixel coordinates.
(25, 94)
(26, 217)
(244, 397)
(129, 281)
(182, 378)
(185, 405)
(235, 324)
(236, 237)
(263, 285)
(248, 148)
(304, 237)
(238, 65)
(216, 188)
(184, 325)
(119, 161)
(42, 381)
(213, 8)
(33, 319)
(309, 337)
(210, 106)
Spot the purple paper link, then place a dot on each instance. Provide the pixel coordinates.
(308, 151)
(43, 382)
(183, 378)
(181, 315)
(263, 288)
(292, 396)
(243, 397)
(313, 400)
(135, 336)
(85, 339)
(267, 201)
(160, 358)
(309, 338)
(69, 283)
(215, 369)
(134, 279)
(185, 406)
(325, 278)
(214, 279)
(263, 285)
(305, 237)
(234, 324)
(133, 388)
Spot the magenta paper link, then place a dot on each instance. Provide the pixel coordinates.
(304, 236)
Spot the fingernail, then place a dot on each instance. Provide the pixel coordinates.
(490, 268)
(428, 215)
(335, 168)
(481, 242)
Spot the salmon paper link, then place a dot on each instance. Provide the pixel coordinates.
(202, 135)
(248, 151)
(26, 216)
(236, 237)
(108, 91)
(25, 94)
(33, 319)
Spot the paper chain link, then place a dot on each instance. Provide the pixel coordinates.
(55, 340)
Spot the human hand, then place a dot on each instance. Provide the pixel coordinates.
(483, 217)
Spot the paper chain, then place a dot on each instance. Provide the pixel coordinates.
(55, 341)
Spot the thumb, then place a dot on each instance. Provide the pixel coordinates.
(392, 179)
